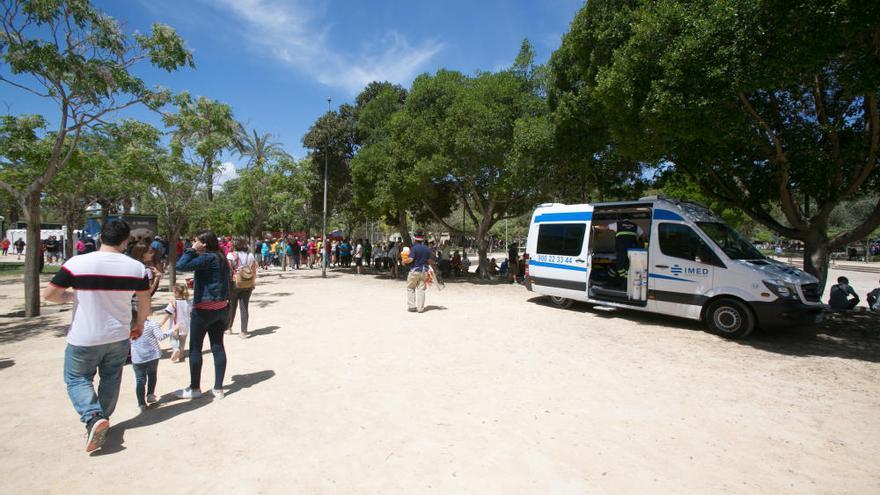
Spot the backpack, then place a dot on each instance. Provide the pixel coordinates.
(244, 277)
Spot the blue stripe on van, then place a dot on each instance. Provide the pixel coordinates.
(667, 277)
(571, 216)
(557, 265)
(667, 215)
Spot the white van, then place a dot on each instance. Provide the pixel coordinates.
(688, 263)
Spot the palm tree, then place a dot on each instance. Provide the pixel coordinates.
(258, 148)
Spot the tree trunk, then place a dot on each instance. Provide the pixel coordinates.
(173, 237)
(403, 227)
(31, 210)
(126, 206)
(817, 251)
(68, 241)
(105, 212)
(209, 173)
(482, 248)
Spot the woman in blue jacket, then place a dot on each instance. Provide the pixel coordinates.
(210, 304)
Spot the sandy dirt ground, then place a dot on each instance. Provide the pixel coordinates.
(340, 390)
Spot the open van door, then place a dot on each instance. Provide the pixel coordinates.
(559, 263)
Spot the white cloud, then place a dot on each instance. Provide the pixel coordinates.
(292, 33)
(225, 173)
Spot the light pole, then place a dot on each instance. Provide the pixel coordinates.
(324, 225)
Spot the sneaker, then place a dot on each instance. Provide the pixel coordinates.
(152, 398)
(218, 393)
(244, 335)
(97, 433)
(188, 393)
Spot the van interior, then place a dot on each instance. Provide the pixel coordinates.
(604, 282)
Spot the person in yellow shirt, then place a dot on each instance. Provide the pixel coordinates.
(320, 255)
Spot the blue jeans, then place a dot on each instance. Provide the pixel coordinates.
(211, 323)
(145, 378)
(80, 366)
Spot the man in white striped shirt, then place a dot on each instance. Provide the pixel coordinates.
(103, 283)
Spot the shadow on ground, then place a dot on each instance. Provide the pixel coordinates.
(468, 279)
(850, 335)
(263, 331)
(6, 363)
(15, 330)
(170, 407)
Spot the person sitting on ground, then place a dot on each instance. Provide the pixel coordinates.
(493, 267)
(874, 300)
(456, 263)
(840, 292)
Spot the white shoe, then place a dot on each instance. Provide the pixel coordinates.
(151, 398)
(218, 393)
(188, 393)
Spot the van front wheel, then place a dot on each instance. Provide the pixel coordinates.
(561, 302)
(730, 318)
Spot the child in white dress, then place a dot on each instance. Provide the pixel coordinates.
(178, 310)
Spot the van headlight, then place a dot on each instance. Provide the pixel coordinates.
(781, 289)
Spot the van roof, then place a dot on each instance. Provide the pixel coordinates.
(690, 210)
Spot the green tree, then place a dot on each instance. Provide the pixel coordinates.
(259, 149)
(116, 175)
(763, 104)
(176, 185)
(334, 137)
(383, 178)
(488, 137)
(68, 52)
(202, 130)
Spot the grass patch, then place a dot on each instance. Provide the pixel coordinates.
(17, 269)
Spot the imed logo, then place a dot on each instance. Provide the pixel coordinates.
(689, 270)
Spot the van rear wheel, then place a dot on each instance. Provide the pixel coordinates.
(730, 318)
(561, 302)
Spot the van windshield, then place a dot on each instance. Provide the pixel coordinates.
(730, 241)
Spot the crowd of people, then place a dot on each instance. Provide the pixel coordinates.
(112, 288)
(115, 277)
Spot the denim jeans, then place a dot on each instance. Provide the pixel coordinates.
(145, 378)
(239, 298)
(80, 366)
(211, 323)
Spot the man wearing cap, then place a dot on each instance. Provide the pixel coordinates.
(420, 260)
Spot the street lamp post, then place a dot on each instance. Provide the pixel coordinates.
(324, 225)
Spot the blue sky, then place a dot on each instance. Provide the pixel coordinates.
(277, 61)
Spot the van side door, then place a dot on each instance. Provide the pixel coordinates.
(559, 266)
(681, 270)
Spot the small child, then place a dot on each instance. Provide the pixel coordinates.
(145, 354)
(179, 311)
